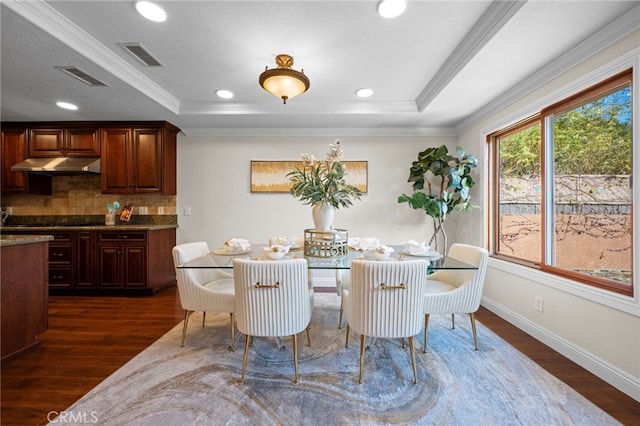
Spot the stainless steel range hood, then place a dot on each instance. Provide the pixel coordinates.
(58, 165)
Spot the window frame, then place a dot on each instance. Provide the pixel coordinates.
(545, 114)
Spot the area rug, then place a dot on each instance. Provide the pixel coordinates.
(199, 384)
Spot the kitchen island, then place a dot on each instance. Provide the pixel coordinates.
(23, 292)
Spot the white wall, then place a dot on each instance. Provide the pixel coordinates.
(214, 182)
(595, 328)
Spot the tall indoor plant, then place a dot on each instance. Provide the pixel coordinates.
(321, 184)
(441, 184)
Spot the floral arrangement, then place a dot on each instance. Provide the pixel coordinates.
(322, 181)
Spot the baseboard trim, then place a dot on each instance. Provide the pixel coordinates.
(607, 372)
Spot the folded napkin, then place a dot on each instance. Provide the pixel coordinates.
(364, 243)
(235, 245)
(283, 241)
(415, 248)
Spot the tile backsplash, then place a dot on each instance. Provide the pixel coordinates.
(81, 195)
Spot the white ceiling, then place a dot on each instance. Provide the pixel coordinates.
(435, 69)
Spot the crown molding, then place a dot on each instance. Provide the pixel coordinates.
(616, 30)
(50, 20)
(496, 16)
(351, 131)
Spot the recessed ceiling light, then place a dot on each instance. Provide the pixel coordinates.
(151, 11)
(391, 8)
(364, 93)
(224, 94)
(67, 105)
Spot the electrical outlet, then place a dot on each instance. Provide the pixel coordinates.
(187, 211)
(143, 210)
(160, 210)
(538, 304)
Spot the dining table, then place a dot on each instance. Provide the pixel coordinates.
(223, 259)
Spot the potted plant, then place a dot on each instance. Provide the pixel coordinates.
(321, 184)
(441, 184)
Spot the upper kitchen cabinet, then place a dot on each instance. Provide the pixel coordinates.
(13, 149)
(66, 141)
(139, 158)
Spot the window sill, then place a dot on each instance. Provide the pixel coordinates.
(607, 298)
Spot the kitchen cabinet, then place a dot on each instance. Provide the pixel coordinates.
(67, 142)
(85, 260)
(139, 159)
(60, 258)
(14, 149)
(122, 259)
(123, 262)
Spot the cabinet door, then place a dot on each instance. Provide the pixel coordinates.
(14, 150)
(85, 260)
(46, 142)
(135, 265)
(116, 161)
(82, 142)
(109, 265)
(147, 160)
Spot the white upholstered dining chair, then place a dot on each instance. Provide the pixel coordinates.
(457, 291)
(385, 301)
(273, 299)
(206, 290)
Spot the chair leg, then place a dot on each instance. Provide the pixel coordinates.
(233, 332)
(295, 357)
(244, 357)
(426, 326)
(341, 312)
(453, 321)
(204, 316)
(184, 326)
(473, 328)
(309, 335)
(346, 343)
(362, 340)
(413, 360)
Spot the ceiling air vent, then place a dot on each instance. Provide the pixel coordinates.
(141, 54)
(82, 76)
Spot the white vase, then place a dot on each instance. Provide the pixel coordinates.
(323, 214)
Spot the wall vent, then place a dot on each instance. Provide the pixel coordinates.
(82, 76)
(141, 54)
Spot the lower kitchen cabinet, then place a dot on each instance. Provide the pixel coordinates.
(122, 259)
(60, 258)
(109, 262)
(85, 260)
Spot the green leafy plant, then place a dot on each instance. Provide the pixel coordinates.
(441, 184)
(323, 181)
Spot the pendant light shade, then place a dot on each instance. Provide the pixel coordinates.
(283, 81)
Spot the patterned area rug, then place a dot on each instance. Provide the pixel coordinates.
(199, 384)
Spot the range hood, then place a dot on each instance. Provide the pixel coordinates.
(58, 165)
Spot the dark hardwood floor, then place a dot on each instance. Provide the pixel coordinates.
(91, 337)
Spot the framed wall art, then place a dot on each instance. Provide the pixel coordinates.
(271, 176)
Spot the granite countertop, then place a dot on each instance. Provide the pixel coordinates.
(123, 227)
(14, 240)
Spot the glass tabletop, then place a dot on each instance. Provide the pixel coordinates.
(218, 259)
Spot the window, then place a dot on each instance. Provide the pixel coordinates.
(562, 188)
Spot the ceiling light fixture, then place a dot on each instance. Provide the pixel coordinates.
(364, 93)
(151, 11)
(391, 8)
(224, 94)
(284, 82)
(67, 105)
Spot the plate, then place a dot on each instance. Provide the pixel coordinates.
(431, 255)
(223, 252)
